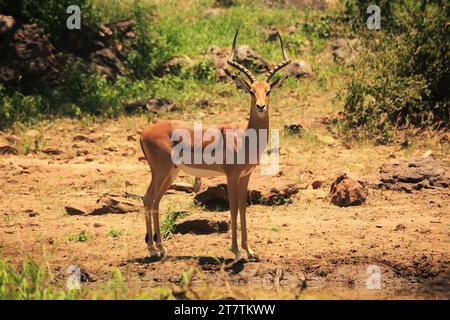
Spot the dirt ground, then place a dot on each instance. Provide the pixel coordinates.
(308, 243)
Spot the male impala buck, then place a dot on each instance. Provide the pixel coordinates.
(158, 144)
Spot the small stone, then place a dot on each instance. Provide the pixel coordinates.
(82, 152)
(75, 210)
(81, 137)
(317, 184)
(182, 186)
(7, 149)
(52, 151)
(399, 227)
(346, 192)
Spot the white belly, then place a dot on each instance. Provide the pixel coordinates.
(197, 172)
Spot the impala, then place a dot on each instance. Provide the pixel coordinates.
(157, 142)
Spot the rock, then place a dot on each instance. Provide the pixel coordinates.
(131, 138)
(14, 140)
(201, 226)
(85, 277)
(263, 190)
(52, 151)
(104, 49)
(31, 213)
(317, 184)
(271, 32)
(415, 174)
(81, 137)
(276, 192)
(214, 198)
(294, 128)
(399, 227)
(116, 204)
(244, 55)
(28, 58)
(151, 104)
(345, 50)
(75, 210)
(225, 3)
(82, 152)
(113, 204)
(122, 28)
(107, 62)
(248, 57)
(173, 65)
(8, 149)
(7, 145)
(182, 186)
(299, 69)
(346, 192)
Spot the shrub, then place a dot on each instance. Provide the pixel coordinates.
(114, 233)
(50, 15)
(16, 107)
(32, 283)
(168, 224)
(80, 237)
(150, 49)
(402, 76)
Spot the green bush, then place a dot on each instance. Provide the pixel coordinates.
(150, 49)
(16, 107)
(32, 283)
(401, 77)
(50, 15)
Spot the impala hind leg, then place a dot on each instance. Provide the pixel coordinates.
(242, 201)
(164, 186)
(149, 198)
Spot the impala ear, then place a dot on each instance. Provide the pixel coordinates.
(278, 82)
(242, 84)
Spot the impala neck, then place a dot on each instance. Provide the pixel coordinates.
(258, 121)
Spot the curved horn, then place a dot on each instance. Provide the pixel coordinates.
(237, 65)
(281, 65)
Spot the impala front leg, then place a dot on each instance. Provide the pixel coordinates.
(243, 194)
(232, 184)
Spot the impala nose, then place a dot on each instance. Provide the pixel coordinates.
(261, 107)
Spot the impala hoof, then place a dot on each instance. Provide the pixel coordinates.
(252, 257)
(152, 253)
(237, 257)
(162, 251)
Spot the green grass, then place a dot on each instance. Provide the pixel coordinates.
(113, 233)
(167, 28)
(276, 228)
(80, 237)
(168, 223)
(33, 281)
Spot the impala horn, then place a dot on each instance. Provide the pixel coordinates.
(281, 65)
(238, 65)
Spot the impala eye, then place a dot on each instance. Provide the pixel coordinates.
(268, 92)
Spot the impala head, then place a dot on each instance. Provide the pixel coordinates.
(259, 90)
